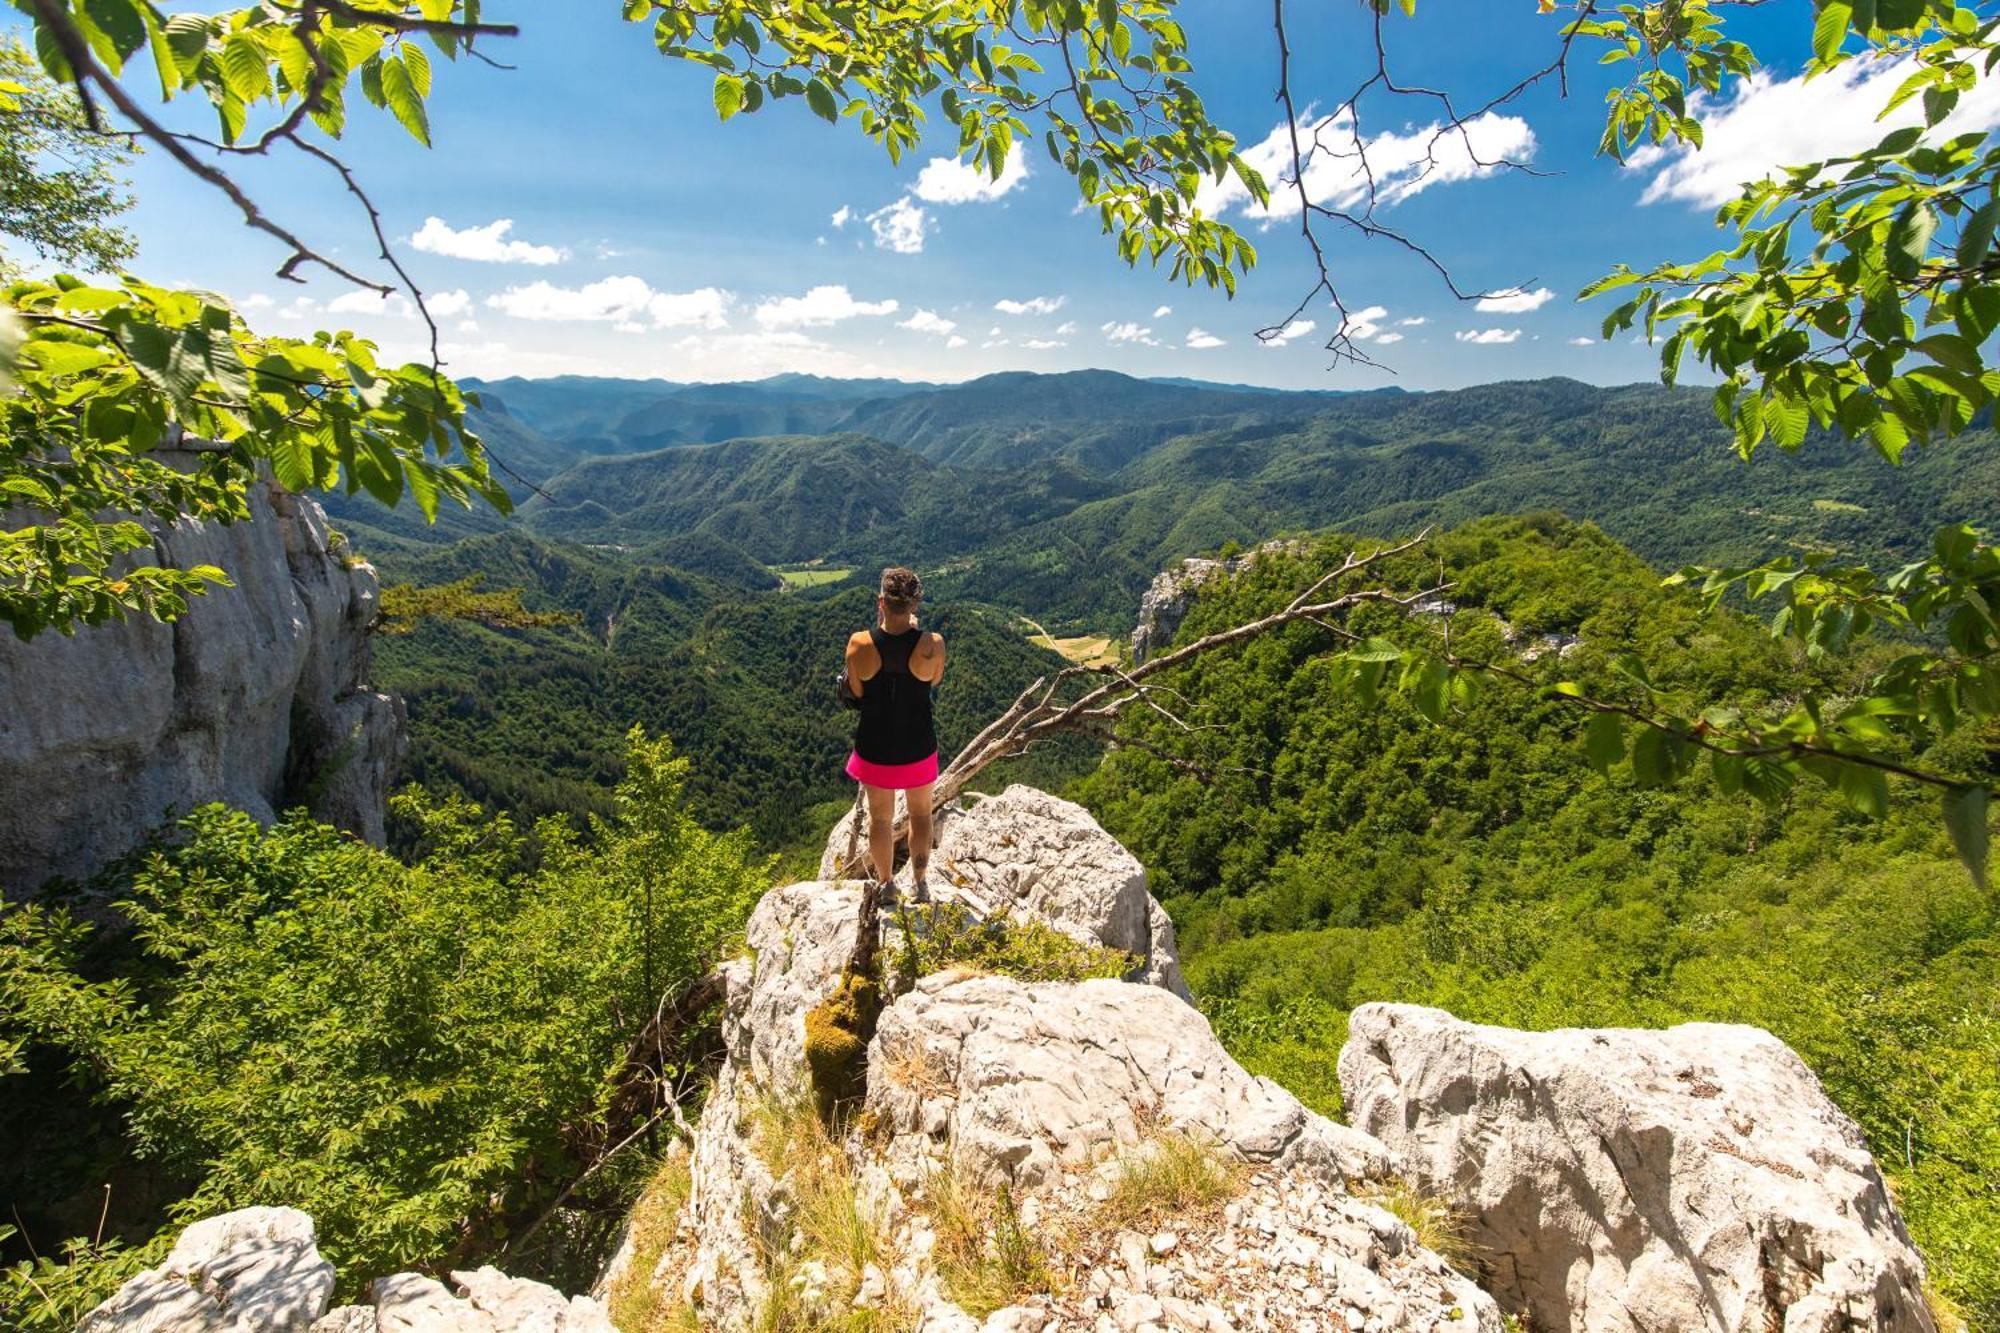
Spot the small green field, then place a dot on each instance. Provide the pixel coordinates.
(812, 576)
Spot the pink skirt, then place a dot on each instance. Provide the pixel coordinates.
(895, 777)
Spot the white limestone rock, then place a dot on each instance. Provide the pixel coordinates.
(1031, 1081)
(256, 1270)
(256, 697)
(1028, 852)
(347, 1319)
(1628, 1181)
(488, 1301)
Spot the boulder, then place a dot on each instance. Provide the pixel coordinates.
(256, 1270)
(1027, 1082)
(1625, 1181)
(257, 697)
(488, 1301)
(1029, 852)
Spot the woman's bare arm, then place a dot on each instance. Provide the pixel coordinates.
(862, 661)
(927, 660)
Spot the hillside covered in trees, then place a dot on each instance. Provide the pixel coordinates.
(1062, 495)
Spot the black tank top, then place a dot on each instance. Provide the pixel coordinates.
(895, 706)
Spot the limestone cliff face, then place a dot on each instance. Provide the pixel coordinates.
(257, 697)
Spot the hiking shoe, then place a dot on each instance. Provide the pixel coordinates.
(920, 890)
(885, 893)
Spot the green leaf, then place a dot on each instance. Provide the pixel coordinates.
(1976, 236)
(1952, 352)
(404, 103)
(1910, 238)
(123, 24)
(1830, 28)
(1978, 312)
(1965, 819)
(419, 66)
(820, 98)
(1604, 741)
(728, 95)
(244, 68)
(52, 357)
(1865, 788)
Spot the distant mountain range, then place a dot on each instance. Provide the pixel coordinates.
(1061, 495)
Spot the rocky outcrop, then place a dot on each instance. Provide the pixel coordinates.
(1029, 852)
(258, 1270)
(257, 697)
(1164, 604)
(1033, 1099)
(1623, 1181)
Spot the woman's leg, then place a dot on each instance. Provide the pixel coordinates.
(882, 831)
(919, 799)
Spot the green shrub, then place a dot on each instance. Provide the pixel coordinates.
(939, 936)
(421, 1056)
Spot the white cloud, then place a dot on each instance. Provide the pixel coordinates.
(842, 216)
(900, 227)
(1127, 331)
(1034, 305)
(619, 300)
(946, 180)
(1414, 321)
(628, 326)
(255, 301)
(1583, 342)
(927, 321)
(1298, 328)
(1388, 338)
(1361, 325)
(1163, 311)
(993, 332)
(1515, 301)
(751, 354)
(1201, 339)
(1399, 165)
(467, 326)
(954, 342)
(1043, 344)
(444, 305)
(1067, 328)
(827, 304)
(487, 244)
(1487, 337)
(1773, 123)
(395, 305)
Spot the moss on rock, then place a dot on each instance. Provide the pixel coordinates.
(837, 1032)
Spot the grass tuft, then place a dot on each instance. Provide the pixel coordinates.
(1440, 1226)
(1171, 1175)
(828, 1225)
(984, 1256)
(637, 1304)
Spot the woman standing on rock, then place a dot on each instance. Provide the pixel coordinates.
(892, 668)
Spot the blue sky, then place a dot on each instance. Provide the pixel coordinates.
(644, 238)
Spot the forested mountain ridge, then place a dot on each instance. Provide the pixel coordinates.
(1100, 490)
